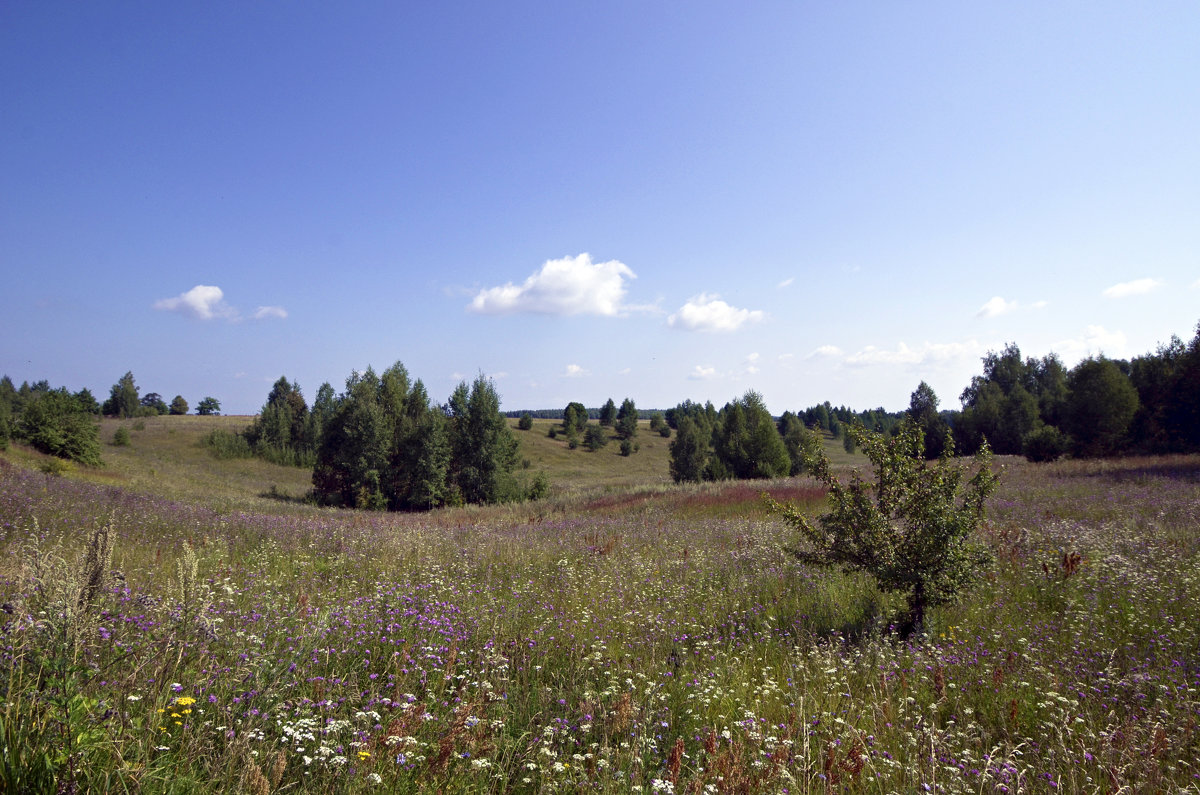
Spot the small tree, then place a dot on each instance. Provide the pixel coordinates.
(123, 398)
(574, 417)
(627, 418)
(179, 406)
(910, 528)
(152, 404)
(608, 413)
(526, 421)
(594, 437)
(209, 406)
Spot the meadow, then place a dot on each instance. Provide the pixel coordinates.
(624, 635)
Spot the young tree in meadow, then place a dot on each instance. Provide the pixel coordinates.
(575, 417)
(323, 408)
(800, 443)
(179, 406)
(911, 526)
(627, 419)
(526, 422)
(123, 398)
(658, 424)
(608, 413)
(595, 437)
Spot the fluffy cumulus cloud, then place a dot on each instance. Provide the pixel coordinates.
(1093, 341)
(701, 373)
(1135, 287)
(207, 302)
(203, 302)
(707, 312)
(575, 371)
(568, 286)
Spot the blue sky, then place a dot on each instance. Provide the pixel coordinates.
(817, 201)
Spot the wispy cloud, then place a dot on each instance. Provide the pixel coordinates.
(203, 302)
(568, 286)
(1093, 341)
(700, 373)
(825, 351)
(786, 282)
(707, 312)
(1136, 287)
(928, 353)
(997, 306)
(266, 312)
(751, 363)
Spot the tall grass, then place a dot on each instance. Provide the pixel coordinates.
(655, 640)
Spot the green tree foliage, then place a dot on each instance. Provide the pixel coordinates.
(123, 398)
(484, 450)
(658, 424)
(690, 449)
(1100, 407)
(923, 410)
(281, 433)
(87, 401)
(152, 404)
(746, 443)
(323, 408)
(627, 419)
(628, 447)
(53, 423)
(801, 443)
(1010, 400)
(911, 527)
(353, 456)
(595, 437)
(608, 413)
(1047, 443)
(8, 402)
(575, 417)
(209, 406)
(179, 406)
(121, 437)
(526, 422)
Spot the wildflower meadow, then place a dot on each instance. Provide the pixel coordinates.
(650, 640)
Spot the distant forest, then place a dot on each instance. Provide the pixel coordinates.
(382, 443)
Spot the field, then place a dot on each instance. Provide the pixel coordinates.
(624, 635)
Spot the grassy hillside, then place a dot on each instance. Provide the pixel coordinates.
(166, 458)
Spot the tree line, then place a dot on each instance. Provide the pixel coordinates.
(61, 423)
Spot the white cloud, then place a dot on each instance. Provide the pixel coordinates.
(703, 373)
(929, 353)
(1196, 285)
(1136, 287)
(265, 312)
(203, 302)
(751, 363)
(1093, 341)
(825, 350)
(707, 312)
(996, 307)
(568, 286)
(575, 371)
(787, 282)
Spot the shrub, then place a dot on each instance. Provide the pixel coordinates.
(121, 437)
(910, 527)
(628, 447)
(224, 444)
(526, 421)
(594, 438)
(1045, 444)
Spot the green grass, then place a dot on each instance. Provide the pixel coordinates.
(627, 634)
